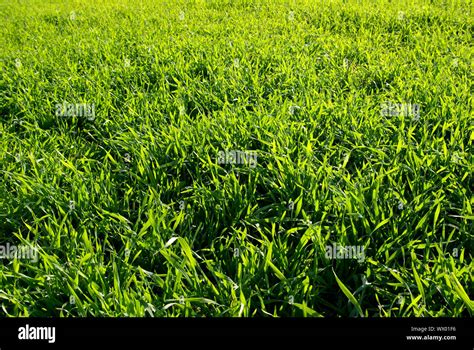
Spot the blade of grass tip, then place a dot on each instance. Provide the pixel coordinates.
(349, 295)
(419, 284)
(187, 251)
(307, 310)
(461, 292)
(277, 272)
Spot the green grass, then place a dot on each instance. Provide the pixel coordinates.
(132, 214)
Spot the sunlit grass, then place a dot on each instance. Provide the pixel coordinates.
(131, 212)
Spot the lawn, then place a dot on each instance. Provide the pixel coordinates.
(236, 158)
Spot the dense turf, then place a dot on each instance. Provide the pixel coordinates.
(137, 211)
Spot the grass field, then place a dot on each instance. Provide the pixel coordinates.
(236, 158)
